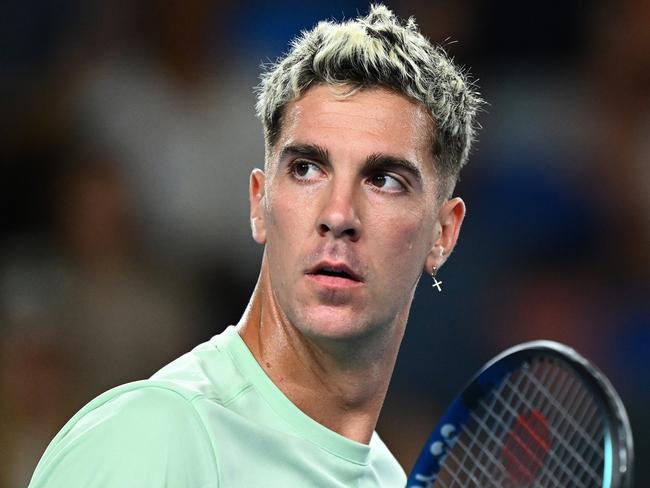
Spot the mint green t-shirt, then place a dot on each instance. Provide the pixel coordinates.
(212, 418)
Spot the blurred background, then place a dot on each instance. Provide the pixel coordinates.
(127, 138)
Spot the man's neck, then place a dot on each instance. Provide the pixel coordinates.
(342, 387)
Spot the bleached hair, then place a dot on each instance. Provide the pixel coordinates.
(378, 50)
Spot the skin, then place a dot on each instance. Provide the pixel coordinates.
(350, 182)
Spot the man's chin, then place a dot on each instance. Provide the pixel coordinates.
(333, 323)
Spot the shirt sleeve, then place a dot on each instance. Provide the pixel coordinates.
(151, 436)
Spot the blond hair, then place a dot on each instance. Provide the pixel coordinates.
(378, 50)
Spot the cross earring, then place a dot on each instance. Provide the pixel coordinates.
(436, 283)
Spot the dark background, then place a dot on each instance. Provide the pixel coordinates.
(127, 136)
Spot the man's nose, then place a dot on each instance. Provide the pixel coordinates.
(339, 215)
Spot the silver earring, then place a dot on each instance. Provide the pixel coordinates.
(436, 283)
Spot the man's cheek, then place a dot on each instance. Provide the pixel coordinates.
(408, 237)
(409, 248)
(280, 222)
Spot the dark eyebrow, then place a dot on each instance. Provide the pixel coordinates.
(309, 151)
(377, 162)
(374, 162)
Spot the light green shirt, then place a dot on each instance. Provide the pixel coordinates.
(212, 418)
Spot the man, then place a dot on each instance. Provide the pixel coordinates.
(366, 127)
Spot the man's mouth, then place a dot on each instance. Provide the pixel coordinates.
(339, 270)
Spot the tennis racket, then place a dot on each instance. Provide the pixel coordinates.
(538, 415)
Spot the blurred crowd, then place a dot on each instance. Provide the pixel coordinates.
(128, 137)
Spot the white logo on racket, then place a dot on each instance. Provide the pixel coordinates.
(438, 449)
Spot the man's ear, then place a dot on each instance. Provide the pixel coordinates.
(256, 198)
(445, 233)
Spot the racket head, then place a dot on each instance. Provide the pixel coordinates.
(482, 441)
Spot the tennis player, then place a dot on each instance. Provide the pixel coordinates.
(366, 127)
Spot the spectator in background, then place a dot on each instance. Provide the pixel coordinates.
(84, 314)
(169, 101)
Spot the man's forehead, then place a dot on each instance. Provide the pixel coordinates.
(365, 106)
(372, 119)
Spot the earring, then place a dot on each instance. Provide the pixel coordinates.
(436, 283)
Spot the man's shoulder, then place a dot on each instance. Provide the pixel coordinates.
(135, 406)
(147, 401)
(159, 424)
(128, 433)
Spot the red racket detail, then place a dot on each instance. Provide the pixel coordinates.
(526, 447)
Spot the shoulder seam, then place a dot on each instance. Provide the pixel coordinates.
(234, 397)
(207, 433)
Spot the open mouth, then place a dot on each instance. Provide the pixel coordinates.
(338, 271)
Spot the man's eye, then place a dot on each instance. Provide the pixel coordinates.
(304, 170)
(386, 183)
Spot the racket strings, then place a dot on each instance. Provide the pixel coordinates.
(483, 449)
(468, 452)
(557, 418)
(539, 428)
(533, 451)
(478, 453)
(577, 436)
(561, 417)
(556, 477)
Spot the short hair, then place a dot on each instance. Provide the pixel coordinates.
(378, 50)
